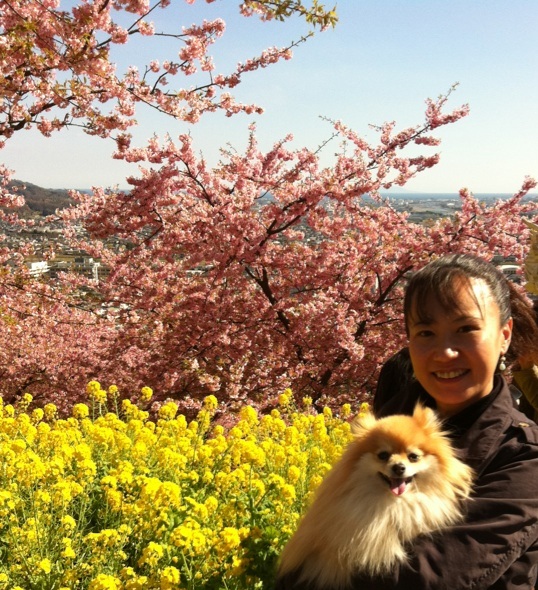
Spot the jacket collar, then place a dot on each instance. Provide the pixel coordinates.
(479, 441)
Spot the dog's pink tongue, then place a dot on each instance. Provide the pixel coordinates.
(397, 486)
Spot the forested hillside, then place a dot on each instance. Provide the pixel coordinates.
(43, 201)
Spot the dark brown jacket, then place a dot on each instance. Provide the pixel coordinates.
(496, 548)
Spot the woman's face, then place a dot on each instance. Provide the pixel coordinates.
(455, 353)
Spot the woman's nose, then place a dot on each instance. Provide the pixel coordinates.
(446, 351)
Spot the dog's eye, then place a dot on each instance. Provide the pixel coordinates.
(413, 457)
(383, 456)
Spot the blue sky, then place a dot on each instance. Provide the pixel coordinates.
(382, 61)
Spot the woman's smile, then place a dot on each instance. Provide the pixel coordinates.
(454, 374)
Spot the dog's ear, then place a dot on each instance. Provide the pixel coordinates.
(426, 417)
(362, 424)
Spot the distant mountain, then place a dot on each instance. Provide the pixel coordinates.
(41, 201)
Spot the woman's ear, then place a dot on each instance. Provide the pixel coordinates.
(506, 332)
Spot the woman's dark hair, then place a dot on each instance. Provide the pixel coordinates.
(441, 279)
(525, 330)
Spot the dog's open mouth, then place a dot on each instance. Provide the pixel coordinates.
(397, 485)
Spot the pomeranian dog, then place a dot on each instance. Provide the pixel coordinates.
(398, 479)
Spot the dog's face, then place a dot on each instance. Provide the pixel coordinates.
(401, 452)
(398, 467)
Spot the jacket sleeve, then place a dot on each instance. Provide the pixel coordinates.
(497, 545)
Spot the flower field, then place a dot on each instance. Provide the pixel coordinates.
(110, 499)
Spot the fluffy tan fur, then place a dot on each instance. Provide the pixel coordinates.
(398, 479)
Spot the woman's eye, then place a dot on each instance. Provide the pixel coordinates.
(468, 328)
(424, 333)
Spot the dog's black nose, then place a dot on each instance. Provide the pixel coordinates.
(398, 469)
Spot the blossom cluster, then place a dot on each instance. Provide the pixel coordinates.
(41, 41)
(115, 500)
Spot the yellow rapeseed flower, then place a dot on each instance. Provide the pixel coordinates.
(51, 411)
(345, 411)
(116, 501)
(146, 393)
(249, 415)
(68, 523)
(80, 411)
(210, 403)
(170, 578)
(228, 540)
(151, 555)
(45, 565)
(96, 393)
(37, 415)
(68, 552)
(294, 473)
(283, 399)
(105, 582)
(24, 402)
(168, 411)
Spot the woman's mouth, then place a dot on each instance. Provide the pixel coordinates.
(454, 374)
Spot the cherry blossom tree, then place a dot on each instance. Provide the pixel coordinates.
(270, 271)
(57, 72)
(266, 271)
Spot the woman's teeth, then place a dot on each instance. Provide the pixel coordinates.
(450, 374)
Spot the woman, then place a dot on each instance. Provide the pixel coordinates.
(459, 321)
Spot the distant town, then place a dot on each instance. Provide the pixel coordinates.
(49, 236)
